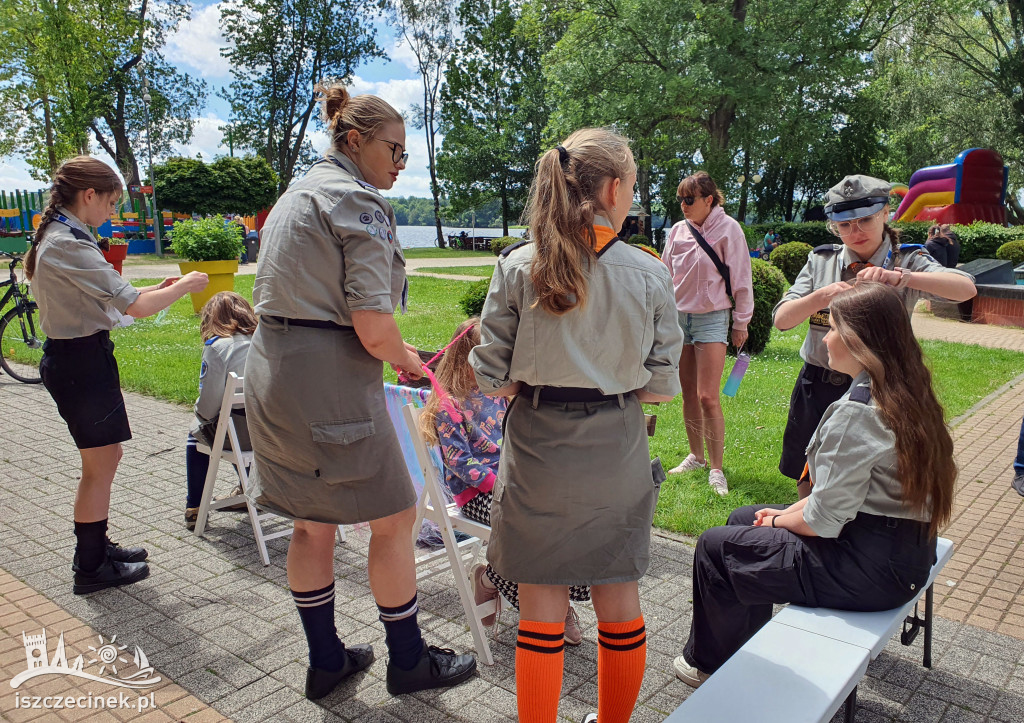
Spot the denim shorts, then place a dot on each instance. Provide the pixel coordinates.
(712, 327)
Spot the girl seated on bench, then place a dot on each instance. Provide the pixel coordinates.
(227, 326)
(470, 449)
(882, 472)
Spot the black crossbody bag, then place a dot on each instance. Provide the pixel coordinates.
(723, 269)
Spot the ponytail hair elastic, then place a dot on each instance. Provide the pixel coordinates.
(563, 155)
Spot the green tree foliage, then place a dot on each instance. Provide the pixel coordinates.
(279, 50)
(228, 185)
(492, 110)
(72, 76)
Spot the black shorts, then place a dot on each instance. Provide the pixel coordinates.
(816, 388)
(81, 375)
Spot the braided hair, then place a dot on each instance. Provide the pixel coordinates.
(74, 176)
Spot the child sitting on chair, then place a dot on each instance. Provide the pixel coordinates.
(227, 326)
(470, 449)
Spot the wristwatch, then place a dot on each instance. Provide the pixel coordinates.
(904, 277)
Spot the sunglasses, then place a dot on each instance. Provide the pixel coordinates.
(687, 200)
(396, 155)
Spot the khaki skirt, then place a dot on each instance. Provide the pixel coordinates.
(575, 496)
(324, 446)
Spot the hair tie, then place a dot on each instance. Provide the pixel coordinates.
(563, 155)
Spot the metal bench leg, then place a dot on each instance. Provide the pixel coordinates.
(928, 603)
(851, 705)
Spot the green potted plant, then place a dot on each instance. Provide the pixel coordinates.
(212, 246)
(115, 253)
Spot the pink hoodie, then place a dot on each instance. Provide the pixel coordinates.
(699, 287)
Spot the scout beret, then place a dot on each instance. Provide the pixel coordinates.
(856, 197)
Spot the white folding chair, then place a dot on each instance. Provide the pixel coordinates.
(433, 505)
(241, 460)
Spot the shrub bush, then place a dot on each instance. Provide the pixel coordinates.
(638, 239)
(472, 302)
(208, 239)
(1012, 251)
(982, 240)
(769, 286)
(913, 232)
(789, 258)
(500, 244)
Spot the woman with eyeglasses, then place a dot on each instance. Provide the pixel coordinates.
(330, 275)
(708, 257)
(857, 209)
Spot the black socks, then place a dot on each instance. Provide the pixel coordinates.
(316, 608)
(92, 544)
(405, 644)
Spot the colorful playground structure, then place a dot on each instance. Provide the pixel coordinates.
(972, 188)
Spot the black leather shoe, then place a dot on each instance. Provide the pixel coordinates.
(110, 574)
(321, 682)
(125, 554)
(437, 668)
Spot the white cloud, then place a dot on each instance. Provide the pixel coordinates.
(196, 44)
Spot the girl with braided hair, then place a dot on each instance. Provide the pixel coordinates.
(81, 298)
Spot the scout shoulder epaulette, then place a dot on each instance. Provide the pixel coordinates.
(827, 248)
(509, 249)
(209, 342)
(861, 394)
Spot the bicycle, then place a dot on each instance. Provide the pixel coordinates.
(21, 339)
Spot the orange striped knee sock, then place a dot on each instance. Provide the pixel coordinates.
(621, 658)
(539, 660)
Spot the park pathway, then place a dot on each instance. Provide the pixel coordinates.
(221, 630)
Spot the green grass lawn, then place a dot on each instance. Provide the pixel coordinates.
(436, 253)
(161, 358)
(458, 270)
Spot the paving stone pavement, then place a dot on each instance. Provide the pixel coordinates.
(220, 625)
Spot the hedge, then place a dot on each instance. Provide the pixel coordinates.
(790, 258)
(980, 240)
(472, 302)
(1012, 251)
(500, 244)
(769, 286)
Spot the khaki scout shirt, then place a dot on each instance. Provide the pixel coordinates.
(329, 248)
(828, 265)
(852, 461)
(625, 337)
(79, 293)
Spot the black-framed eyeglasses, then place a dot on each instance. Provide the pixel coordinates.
(396, 157)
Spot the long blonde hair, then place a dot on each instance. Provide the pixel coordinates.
(454, 373)
(561, 209)
(344, 112)
(871, 320)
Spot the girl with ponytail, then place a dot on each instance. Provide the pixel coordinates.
(81, 298)
(582, 329)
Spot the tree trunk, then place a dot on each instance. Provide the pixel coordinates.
(790, 185)
(504, 208)
(741, 214)
(643, 179)
(51, 151)
(1014, 211)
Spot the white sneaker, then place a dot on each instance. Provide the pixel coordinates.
(716, 478)
(687, 673)
(688, 465)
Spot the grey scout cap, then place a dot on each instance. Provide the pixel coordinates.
(856, 197)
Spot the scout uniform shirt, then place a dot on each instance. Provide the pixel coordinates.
(221, 356)
(344, 254)
(830, 263)
(625, 337)
(79, 293)
(852, 461)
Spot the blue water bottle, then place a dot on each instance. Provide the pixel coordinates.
(732, 384)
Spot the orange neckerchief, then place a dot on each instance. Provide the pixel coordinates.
(603, 235)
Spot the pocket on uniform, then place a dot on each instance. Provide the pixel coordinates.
(909, 577)
(344, 450)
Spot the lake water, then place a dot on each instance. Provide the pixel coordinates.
(418, 237)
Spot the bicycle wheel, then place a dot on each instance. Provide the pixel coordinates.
(21, 343)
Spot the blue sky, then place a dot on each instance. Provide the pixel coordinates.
(195, 49)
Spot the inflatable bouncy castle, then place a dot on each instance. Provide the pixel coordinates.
(972, 188)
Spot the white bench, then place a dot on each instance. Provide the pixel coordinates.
(806, 662)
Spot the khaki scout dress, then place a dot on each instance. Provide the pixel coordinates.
(324, 447)
(575, 495)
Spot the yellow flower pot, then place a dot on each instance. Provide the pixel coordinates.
(222, 278)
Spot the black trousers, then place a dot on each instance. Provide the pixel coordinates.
(815, 389)
(740, 571)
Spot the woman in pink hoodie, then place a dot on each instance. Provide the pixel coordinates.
(704, 279)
